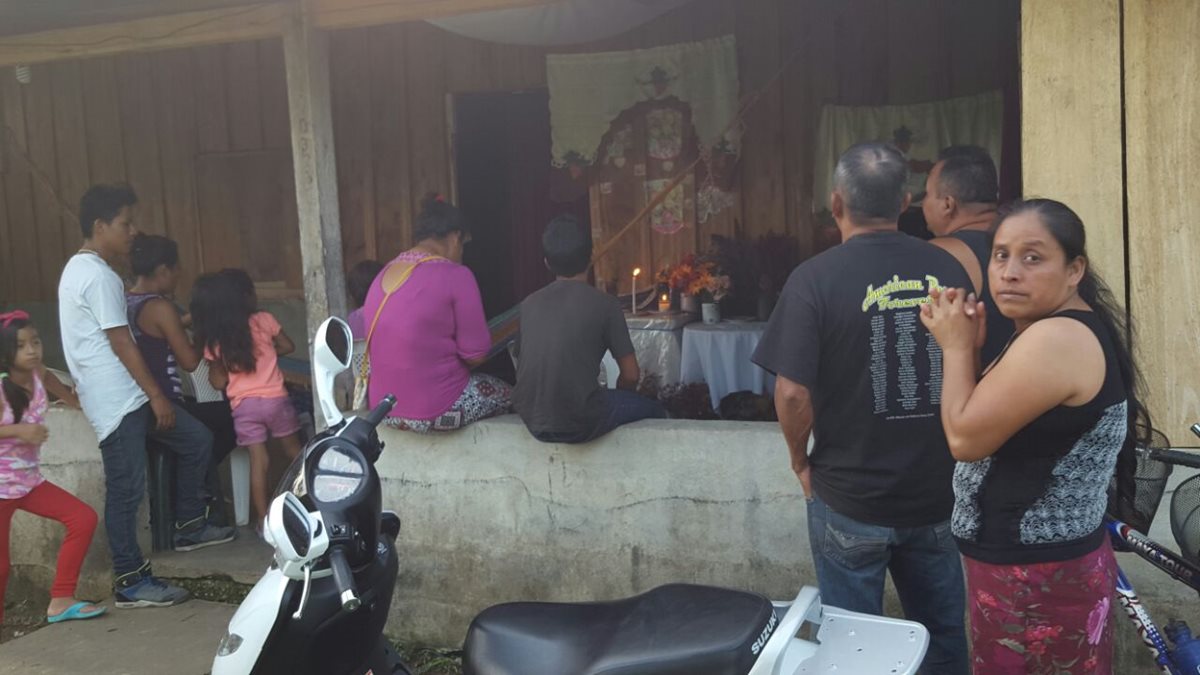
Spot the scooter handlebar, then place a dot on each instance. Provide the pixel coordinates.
(375, 417)
(344, 579)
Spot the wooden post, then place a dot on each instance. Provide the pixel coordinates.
(306, 57)
(1071, 141)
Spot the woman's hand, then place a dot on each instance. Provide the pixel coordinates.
(955, 318)
(33, 434)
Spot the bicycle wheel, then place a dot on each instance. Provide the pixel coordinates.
(1185, 518)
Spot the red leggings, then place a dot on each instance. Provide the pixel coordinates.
(50, 501)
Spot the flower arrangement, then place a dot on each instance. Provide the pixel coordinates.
(699, 276)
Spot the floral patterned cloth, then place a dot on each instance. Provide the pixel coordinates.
(485, 396)
(19, 461)
(1043, 619)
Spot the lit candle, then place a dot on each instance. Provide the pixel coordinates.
(633, 301)
(664, 303)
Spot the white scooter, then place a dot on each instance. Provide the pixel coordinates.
(322, 605)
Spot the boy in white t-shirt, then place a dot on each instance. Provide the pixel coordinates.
(124, 403)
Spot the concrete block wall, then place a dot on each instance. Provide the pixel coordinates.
(489, 515)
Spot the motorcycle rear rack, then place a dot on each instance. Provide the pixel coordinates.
(840, 641)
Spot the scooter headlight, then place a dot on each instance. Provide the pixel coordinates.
(229, 644)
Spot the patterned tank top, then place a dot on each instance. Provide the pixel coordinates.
(156, 351)
(19, 472)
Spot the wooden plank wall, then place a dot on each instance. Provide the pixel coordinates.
(139, 118)
(1162, 99)
(145, 118)
(840, 52)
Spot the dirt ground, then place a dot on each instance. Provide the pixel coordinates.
(21, 617)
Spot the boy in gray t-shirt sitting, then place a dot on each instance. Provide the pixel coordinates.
(566, 328)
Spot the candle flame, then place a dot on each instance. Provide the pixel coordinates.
(664, 297)
(637, 271)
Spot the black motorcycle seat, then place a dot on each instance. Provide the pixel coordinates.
(679, 629)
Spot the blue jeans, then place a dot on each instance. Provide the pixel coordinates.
(852, 559)
(124, 455)
(627, 407)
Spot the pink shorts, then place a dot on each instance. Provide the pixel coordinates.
(257, 420)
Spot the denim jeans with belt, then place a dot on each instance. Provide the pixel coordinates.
(124, 455)
(852, 559)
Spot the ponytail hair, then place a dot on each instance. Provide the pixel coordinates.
(1067, 229)
(438, 219)
(15, 394)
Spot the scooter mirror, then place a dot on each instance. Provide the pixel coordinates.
(295, 525)
(298, 535)
(331, 355)
(337, 339)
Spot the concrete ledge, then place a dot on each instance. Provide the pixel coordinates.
(490, 515)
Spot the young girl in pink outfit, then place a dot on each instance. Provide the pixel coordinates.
(23, 404)
(242, 346)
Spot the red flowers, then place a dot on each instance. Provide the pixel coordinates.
(1042, 632)
(987, 600)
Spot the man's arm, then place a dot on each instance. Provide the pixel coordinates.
(126, 350)
(162, 316)
(793, 404)
(631, 372)
(59, 390)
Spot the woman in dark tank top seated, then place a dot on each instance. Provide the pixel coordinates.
(1038, 437)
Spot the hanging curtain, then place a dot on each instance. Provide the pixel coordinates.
(561, 23)
(919, 130)
(589, 91)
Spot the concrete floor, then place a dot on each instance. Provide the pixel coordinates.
(244, 560)
(180, 639)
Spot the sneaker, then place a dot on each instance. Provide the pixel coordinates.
(199, 533)
(143, 589)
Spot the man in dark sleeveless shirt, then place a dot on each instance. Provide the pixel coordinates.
(857, 370)
(160, 331)
(961, 198)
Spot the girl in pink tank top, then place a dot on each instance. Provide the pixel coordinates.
(23, 405)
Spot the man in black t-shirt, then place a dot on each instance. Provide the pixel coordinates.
(962, 198)
(857, 368)
(566, 328)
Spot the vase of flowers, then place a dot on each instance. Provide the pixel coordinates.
(699, 280)
(712, 287)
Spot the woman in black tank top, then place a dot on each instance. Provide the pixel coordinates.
(1038, 438)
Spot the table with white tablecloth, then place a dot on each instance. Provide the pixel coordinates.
(719, 355)
(657, 341)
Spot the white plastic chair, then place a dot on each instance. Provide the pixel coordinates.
(195, 384)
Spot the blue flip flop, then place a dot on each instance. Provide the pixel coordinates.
(75, 612)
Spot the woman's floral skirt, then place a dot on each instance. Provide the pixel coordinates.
(485, 396)
(1046, 618)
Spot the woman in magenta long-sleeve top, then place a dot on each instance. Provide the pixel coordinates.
(431, 331)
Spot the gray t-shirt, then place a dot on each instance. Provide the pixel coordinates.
(565, 329)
